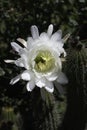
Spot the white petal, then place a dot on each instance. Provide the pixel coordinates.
(49, 87)
(62, 79)
(23, 51)
(56, 36)
(24, 58)
(15, 80)
(62, 51)
(50, 30)
(44, 36)
(30, 85)
(22, 41)
(52, 77)
(9, 61)
(30, 41)
(16, 47)
(40, 82)
(25, 61)
(19, 62)
(34, 32)
(26, 75)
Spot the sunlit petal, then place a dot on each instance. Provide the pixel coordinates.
(15, 80)
(30, 85)
(57, 35)
(34, 32)
(40, 82)
(16, 47)
(44, 36)
(22, 41)
(26, 75)
(9, 61)
(50, 30)
(49, 87)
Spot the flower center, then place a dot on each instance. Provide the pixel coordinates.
(44, 62)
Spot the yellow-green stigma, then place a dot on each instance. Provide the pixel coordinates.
(44, 62)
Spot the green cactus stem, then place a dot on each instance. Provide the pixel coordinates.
(76, 70)
(47, 111)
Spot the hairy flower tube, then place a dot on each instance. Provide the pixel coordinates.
(40, 57)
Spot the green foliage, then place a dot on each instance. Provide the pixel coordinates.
(1, 72)
(17, 17)
(10, 119)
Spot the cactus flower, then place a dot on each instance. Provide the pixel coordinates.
(40, 57)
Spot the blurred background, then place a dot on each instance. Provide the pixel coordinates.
(19, 109)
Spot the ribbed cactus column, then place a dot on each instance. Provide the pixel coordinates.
(76, 69)
(54, 110)
(46, 110)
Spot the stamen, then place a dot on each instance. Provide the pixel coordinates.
(44, 62)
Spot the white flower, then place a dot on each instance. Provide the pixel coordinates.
(40, 57)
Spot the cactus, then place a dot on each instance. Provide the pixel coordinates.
(54, 112)
(76, 70)
(48, 112)
(9, 119)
